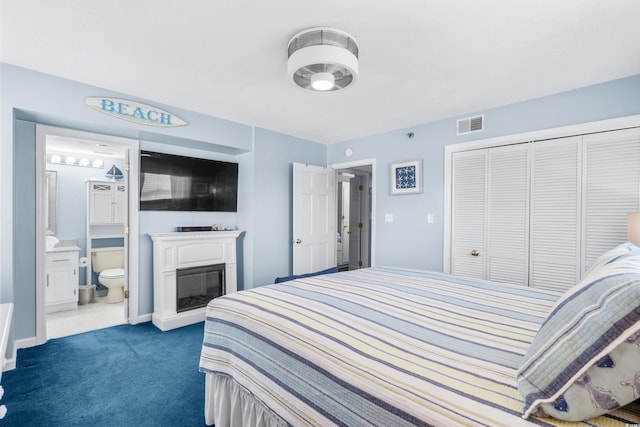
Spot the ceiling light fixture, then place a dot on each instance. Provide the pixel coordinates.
(323, 59)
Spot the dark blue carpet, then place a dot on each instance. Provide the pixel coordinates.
(128, 375)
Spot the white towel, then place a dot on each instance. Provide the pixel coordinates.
(52, 241)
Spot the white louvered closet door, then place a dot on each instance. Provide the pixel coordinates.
(508, 214)
(468, 214)
(555, 221)
(611, 189)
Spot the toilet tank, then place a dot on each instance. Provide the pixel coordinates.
(106, 258)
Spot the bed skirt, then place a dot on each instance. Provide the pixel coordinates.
(228, 404)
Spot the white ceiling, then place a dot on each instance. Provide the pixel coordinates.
(420, 60)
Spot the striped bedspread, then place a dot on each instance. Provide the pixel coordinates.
(381, 346)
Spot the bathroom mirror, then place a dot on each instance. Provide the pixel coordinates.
(51, 194)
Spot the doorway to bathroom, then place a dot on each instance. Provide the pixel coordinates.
(77, 225)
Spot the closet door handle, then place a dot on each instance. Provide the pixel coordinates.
(475, 252)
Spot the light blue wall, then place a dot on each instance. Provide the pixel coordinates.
(409, 240)
(23, 247)
(274, 157)
(29, 97)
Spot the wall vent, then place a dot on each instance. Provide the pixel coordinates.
(470, 124)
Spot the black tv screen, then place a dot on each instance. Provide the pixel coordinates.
(178, 183)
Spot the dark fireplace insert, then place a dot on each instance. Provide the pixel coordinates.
(196, 286)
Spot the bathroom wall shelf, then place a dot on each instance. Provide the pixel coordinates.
(106, 214)
(107, 204)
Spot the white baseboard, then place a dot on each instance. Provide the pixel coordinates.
(25, 343)
(10, 364)
(165, 323)
(142, 319)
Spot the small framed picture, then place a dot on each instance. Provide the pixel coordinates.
(406, 177)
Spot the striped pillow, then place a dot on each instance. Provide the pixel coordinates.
(585, 360)
(625, 249)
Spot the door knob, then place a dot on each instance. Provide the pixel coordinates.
(298, 241)
(475, 252)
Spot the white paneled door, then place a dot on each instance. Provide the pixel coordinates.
(490, 214)
(555, 213)
(314, 218)
(539, 213)
(508, 214)
(468, 243)
(611, 189)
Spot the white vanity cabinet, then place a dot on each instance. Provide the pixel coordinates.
(107, 202)
(62, 279)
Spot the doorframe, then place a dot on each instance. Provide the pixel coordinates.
(372, 163)
(133, 188)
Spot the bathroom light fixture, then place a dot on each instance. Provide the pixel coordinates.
(74, 160)
(322, 59)
(114, 173)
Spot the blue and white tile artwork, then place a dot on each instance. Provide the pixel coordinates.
(406, 177)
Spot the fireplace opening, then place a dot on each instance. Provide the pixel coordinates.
(196, 286)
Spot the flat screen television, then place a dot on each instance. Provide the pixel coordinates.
(177, 183)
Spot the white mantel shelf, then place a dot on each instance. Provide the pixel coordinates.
(183, 250)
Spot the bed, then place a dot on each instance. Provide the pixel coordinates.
(378, 346)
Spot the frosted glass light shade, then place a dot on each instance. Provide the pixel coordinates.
(322, 81)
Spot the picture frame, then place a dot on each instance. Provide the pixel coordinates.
(406, 177)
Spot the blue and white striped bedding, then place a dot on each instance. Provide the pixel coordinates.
(381, 346)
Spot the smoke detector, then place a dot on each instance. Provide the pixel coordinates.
(323, 59)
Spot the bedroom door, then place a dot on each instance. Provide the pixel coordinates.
(314, 218)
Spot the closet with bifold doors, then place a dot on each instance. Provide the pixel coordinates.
(538, 213)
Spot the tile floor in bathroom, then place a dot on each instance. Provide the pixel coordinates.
(87, 317)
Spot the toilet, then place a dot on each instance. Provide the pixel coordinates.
(109, 262)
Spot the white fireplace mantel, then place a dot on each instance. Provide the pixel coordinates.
(182, 250)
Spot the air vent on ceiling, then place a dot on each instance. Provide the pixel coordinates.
(471, 124)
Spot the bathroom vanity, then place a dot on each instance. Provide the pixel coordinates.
(62, 278)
